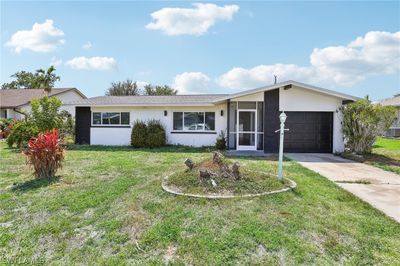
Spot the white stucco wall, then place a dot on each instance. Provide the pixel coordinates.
(66, 97)
(121, 136)
(12, 114)
(299, 99)
(255, 97)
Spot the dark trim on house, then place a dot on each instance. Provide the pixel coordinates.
(83, 120)
(228, 117)
(344, 102)
(193, 132)
(271, 121)
(112, 126)
(287, 87)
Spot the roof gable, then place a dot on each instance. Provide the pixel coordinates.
(293, 83)
(13, 98)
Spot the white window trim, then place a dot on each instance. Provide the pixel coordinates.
(197, 130)
(110, 125)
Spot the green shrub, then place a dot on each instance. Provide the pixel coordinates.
(139, 133)
(45, 113)
(363, 122)
(67, 130)
(155, 134)
(21, 132)
(220, 144)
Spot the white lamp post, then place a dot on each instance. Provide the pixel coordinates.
(282, 118)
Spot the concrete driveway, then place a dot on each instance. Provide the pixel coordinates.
(379, 188)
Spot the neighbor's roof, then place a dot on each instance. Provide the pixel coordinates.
(394, 101)
(142, 100)
(294, 83)
(16, 97)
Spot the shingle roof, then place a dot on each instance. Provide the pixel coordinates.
(16, 97)
(394, 101)
(201, 99)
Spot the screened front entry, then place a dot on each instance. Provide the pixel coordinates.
(246, 132)
(246, 125)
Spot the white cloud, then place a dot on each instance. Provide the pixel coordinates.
(92, 63)
(241, 78)
(191, 82)
(141, 84)
(87, 46)
(376, 53)
(190, 21)
(41, 38)
(56, 61)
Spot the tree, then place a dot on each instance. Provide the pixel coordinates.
(45, 113)
(159, 90)
(124, 88)
(46, 78)
(363, 122)
(41, 79)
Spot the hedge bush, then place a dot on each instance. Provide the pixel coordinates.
(220, 144)
(139, 133)
(363, 122)
(21, 132)
(155, 134)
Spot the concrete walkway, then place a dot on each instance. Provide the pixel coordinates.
(382, 190)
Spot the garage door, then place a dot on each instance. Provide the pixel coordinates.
(309, 132)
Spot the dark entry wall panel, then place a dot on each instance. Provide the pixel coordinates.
(271, 121)
(82, 125)
(309, 132)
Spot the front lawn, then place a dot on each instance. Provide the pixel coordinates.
(107, 207)
(385, 154)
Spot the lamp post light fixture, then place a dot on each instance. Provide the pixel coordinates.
(282, 118)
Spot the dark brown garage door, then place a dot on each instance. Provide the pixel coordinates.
(309, 132)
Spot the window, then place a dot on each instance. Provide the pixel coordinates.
(178, 120)
(110, 118)
(194, 121)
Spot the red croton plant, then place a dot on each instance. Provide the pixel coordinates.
(45, 154)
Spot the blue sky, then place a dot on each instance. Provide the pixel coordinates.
(212, 47)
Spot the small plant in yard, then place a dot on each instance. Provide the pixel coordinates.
(363, 122)
(45, 154)
(138, 136)
(155, 134)
(5, 127)
(21, 132)
(220, 144)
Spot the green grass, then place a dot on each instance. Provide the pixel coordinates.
(385, 154)
(107, 207)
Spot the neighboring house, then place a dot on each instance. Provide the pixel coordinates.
(394, 130)
(248, 118)
(15, 102)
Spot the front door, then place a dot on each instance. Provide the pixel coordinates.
(246, 130)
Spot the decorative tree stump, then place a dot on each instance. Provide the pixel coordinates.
(235, 170)
(189, 163)
(217, 157)
(221, 170)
